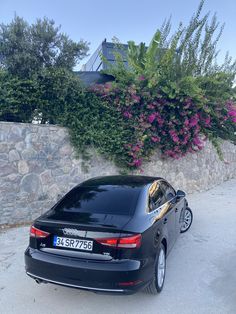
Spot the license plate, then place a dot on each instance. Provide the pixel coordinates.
(77, 244)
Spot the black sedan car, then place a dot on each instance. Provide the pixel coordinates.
(109, 234)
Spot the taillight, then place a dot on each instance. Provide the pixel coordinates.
(36, 233)
(130, 242)
(124, 242)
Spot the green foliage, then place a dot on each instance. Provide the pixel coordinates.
(27, 49)
(94, 123)
(18, 98)
(190, 51)
(217, 87)
(41, 98)
(58, 88)
(172, 97)
(178, 68)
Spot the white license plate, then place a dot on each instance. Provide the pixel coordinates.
(77, 244)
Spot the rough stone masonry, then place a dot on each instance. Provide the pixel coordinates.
(38, 165)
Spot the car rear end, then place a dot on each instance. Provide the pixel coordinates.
(80, 246)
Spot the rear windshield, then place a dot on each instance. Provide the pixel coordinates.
(117, 200)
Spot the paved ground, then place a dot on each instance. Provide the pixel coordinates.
(201, 270)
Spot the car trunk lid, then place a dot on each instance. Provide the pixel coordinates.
(80, 227)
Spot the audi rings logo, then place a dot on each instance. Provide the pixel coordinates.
(71, 232)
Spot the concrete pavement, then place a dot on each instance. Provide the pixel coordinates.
(201, 270)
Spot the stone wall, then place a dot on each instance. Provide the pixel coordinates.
(38, 165)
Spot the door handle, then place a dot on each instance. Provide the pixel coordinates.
(176, 210)
(165, 221)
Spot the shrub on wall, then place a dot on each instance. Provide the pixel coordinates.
(57, 88)
(41, 98)
(125, 122)
(93, 122)
(172, 97)
(176, 125)
(18, 98)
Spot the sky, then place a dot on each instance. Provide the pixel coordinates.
(95, 20)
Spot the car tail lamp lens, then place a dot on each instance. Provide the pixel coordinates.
(36, 233)
(108, 241)
(130, 242)
(124, 242)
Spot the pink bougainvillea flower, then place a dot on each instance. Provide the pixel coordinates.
(187, 103)
(197, 129)
(174, 136)
(160, 121)
(155, 139)
(150, 106)
(141, 78)
(152, 117)
(231, 108)
(225, 118)
(172, 154)
(186, 138)
(186, 122)
(208, 121)
(194, 120)
(197, 141)
(135, 98)
(232, 113)
(136, 148)
(127, 114)
(137, 162)
(175, 139)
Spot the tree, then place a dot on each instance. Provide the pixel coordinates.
(26, 49)
(189, 51)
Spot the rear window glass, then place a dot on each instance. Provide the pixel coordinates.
(117, 200)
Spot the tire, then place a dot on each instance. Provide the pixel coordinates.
(157, 283)
(187, 221)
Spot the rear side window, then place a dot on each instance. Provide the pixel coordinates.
(156, 196)
(117, 200)
(168, 190)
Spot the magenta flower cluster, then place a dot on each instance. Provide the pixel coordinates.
(176, 126)
(231, 111)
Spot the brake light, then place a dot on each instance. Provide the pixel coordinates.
(36, 233)
(124, 242)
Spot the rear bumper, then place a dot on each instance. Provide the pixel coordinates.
(99, 276)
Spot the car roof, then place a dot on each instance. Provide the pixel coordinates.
(121, 180)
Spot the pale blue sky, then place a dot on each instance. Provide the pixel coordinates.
(94, 20)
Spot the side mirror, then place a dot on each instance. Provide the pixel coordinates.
(170, 196)
(180, 194)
